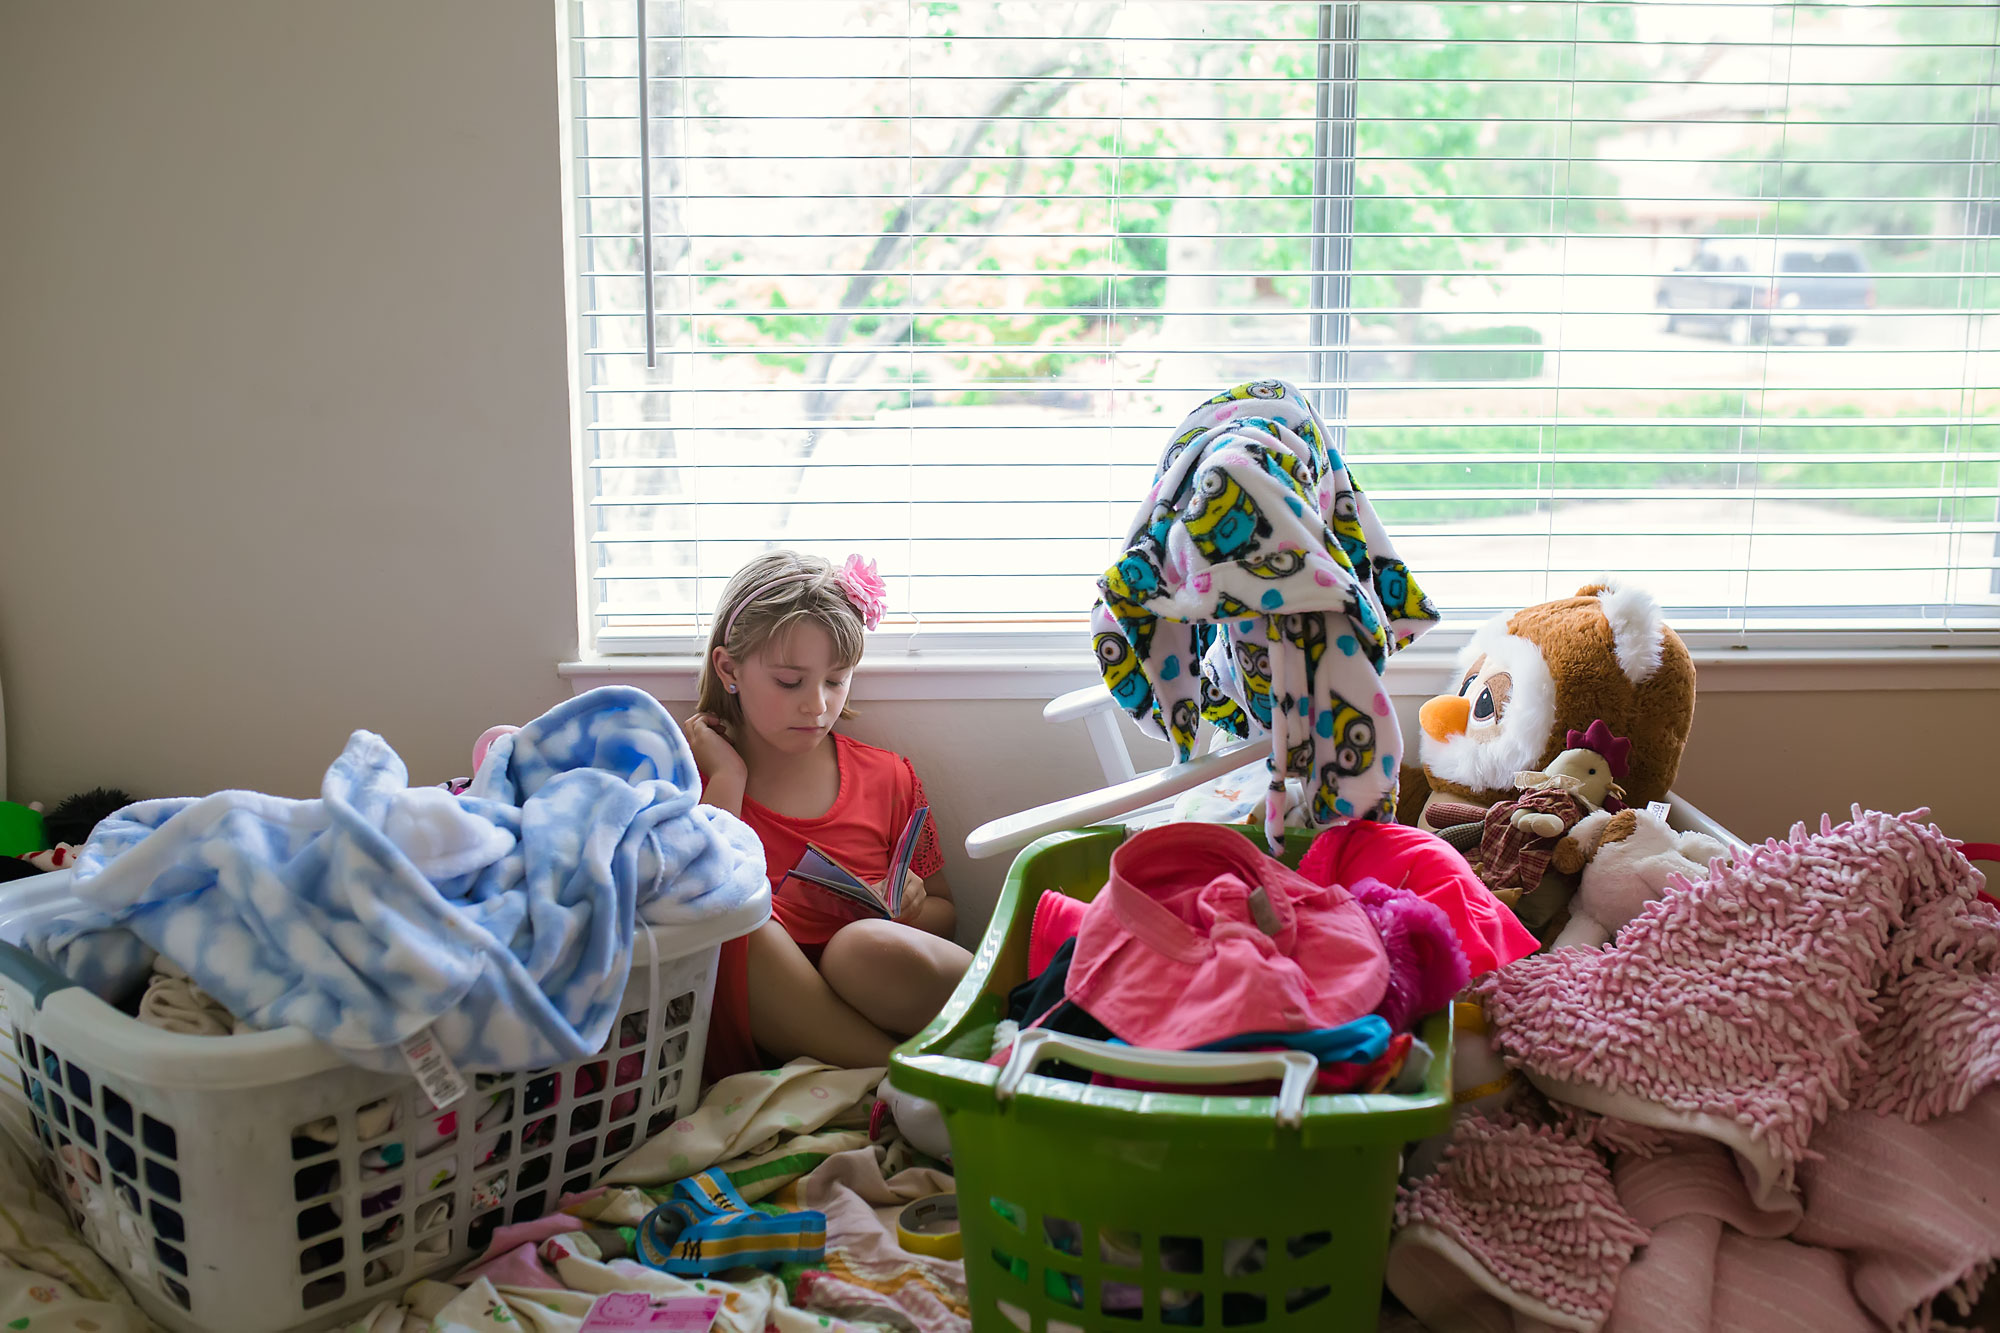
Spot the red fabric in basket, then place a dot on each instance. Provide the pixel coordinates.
(1983, 851)
(1058, 917)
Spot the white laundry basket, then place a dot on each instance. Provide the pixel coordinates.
(203, 1169)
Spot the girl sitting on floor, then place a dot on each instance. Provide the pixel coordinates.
(822, 978)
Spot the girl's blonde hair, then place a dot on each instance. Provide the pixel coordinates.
(765, 600)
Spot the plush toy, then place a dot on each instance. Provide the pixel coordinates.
(485, 742)
(1520, 838)
(74, 817)
(58, 834)
(1633, 854)
(1528, 680)
(919, 1120)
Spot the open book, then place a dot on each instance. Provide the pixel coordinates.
(823, 872)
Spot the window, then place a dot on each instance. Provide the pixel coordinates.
(1817, 261)
(933, 282)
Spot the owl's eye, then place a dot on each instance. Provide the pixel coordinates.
(1491, 704)
(1466, 684)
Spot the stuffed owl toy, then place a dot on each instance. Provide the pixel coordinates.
(1524, 683)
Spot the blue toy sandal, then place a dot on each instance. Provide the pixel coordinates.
(707, 1228)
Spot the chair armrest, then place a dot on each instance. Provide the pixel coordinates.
(1078, 703)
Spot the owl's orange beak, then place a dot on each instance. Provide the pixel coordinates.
(1444, 716)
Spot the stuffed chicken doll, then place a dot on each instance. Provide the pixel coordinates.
(1521, 837)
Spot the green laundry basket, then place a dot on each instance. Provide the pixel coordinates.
(1096, 1208)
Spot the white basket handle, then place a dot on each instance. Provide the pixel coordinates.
(1296, 1068)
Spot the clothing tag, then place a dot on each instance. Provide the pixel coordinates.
(435, 1072)
(1261, 911)
(624, 1310)
(1659, 808)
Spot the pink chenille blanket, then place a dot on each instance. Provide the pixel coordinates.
(1772, 1107)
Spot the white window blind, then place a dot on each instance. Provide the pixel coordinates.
(1695, 292)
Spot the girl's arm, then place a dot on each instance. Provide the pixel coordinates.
(936, 914)
(724, 791)
(724, 775)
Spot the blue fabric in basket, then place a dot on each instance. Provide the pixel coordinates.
(501, 918)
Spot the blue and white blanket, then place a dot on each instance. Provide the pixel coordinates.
(501, 918)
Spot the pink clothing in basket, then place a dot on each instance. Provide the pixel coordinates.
(1428, 866)
(1198, 936)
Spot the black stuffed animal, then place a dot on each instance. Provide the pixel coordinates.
(73, 819)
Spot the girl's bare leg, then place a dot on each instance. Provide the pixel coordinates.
(794, 1011)
(895, 976)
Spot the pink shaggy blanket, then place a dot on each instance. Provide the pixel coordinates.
(1785, 1114)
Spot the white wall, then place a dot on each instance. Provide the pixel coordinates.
(1758, 761)
(283, 394)
(284, 443)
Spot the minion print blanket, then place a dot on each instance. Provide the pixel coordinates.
(1258, 590)
(501, 918)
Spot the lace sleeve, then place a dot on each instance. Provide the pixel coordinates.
(930, 856)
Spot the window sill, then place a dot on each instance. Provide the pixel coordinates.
(1418, 673)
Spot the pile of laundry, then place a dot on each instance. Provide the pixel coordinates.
(502, 917)
(1770, 1105)
(1200, 942)
(50, 1278)
(792, 1170)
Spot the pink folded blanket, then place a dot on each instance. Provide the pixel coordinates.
(1896, 1219)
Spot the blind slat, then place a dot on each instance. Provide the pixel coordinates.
(936, 281)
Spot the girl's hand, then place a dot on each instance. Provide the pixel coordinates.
(708, 738)
(913, 896)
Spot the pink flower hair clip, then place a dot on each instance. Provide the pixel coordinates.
(864, 588)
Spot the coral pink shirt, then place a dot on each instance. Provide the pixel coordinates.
(879, 791)
(1404, 857)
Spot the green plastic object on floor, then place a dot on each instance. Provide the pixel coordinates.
(1109, 1210)
(21, 830)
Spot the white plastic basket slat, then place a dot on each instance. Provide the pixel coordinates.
(178, 1159)
(23, 902)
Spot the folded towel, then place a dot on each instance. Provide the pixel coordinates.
(1898, 1227)
(173, 1003)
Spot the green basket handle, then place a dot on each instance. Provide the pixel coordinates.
(1297, 1069)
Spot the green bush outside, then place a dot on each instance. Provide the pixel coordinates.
(1708, 429)
(1505, 352)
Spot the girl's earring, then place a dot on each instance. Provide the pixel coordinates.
(730, 688)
